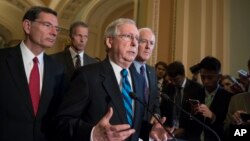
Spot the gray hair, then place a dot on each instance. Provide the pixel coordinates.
(112, 28)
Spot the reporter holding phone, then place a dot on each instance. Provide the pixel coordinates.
(238, 112)
(184, 92)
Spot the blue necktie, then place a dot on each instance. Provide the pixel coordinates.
(146, 92)
(127, 100)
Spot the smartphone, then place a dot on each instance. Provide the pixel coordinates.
(245, 117)
(194, 101)
(243, 72)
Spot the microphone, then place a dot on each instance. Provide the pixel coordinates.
(165, 96)
(133, 96)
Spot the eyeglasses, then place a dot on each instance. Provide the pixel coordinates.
(145, 41)
(128, 37)
(49, 25)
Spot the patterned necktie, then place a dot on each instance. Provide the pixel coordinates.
(127, 100)
(77, 62)
(34, 85)
(177, 111)
(146, 92)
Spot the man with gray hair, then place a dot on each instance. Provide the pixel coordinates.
(98, 106)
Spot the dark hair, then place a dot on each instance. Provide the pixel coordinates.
(75, 25)
(210, 63)
(195, 68)
(162, 64)
(175, 68)
(33, 13)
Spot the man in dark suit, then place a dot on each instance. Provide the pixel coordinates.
(74, 56)
(30, 80)
(185, 127)
(214, 98)
(98, 106)
(151, 94)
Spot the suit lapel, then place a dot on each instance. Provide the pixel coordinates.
(16, 67)
(137, 80)
(69, 61)
(48, 83)
(112, 89)
(150, 81)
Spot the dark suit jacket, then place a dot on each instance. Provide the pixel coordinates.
(65, 58)
(17, 120)
(192, 90)
(219, 107)
(153, 99)
(93, 90)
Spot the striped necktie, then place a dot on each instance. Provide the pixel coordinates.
(127, 100)
(77, 62)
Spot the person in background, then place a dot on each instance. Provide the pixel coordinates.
(230, 84)
(98, 106)
(238, 106)
(161, 68)
(31, 82)
(151, 94)
(74, 56)
(195, 69)
(215, 99)
(181, 90)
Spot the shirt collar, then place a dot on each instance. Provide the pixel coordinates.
(212, 93)
(138, 66)
(28, 56)
(184, 83)
(74, 53)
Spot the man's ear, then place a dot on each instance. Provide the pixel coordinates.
(26, 26)
(109, 42)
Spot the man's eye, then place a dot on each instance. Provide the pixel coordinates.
(47, 24)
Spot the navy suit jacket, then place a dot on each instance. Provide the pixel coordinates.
(93, 90)
(17, 120)
(154, 97)
(65, 58)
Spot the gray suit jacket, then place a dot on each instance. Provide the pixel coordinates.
(238, 102)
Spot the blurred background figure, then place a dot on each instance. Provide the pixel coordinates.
(238, 113)
(161, 68)
(230, 84)
(195, 72)
(180, 90)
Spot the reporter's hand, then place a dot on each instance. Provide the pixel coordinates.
(236, 119)
(158, 133)
(104, 131)
(205, 111)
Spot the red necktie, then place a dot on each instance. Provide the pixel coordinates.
(34, 85)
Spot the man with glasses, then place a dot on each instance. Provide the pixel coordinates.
(30, 80)
(74, 56)
(98, 106)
